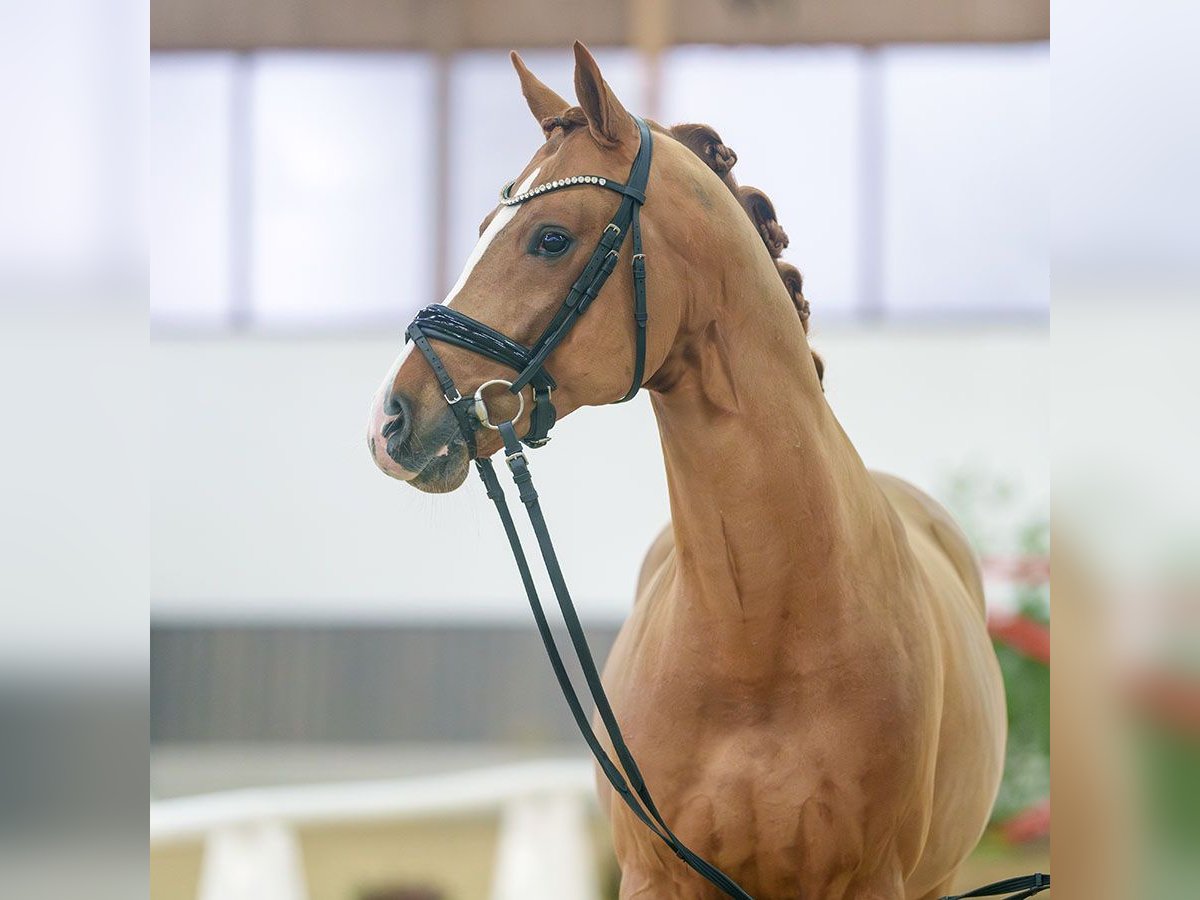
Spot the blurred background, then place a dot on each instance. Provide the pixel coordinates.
(330, 720)
(325, 726)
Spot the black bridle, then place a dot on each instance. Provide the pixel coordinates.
(443, 323)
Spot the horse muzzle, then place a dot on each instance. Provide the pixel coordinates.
(431, 456)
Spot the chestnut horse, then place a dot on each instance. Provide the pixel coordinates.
(806, 678)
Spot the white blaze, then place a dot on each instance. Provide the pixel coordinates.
(503, 216)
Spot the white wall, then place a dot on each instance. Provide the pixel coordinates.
(267, 505)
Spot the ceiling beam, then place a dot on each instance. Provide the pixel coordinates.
(450, 25)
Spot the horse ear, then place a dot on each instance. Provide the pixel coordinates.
(607, 119)
(543, 102)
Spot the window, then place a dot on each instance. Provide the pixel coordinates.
(301, 190)
(966, 204)
(343, 226)
(191, 167)
(493, 134)
(791, 115)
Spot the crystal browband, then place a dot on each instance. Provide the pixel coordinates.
(506, 200)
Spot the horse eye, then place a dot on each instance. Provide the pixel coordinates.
(553, 243)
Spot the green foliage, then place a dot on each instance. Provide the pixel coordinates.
(985, 506)
(1169, 776)
(1033, 601)
(1027, 758)
(979, 501)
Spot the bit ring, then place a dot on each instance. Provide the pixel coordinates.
(481, 411)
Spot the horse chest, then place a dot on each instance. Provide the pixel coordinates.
(773, 804)
(789, 778)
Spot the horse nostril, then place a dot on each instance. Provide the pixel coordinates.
(397, 428)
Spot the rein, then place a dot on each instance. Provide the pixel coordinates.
(442, 323)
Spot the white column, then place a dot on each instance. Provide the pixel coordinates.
(253, 861)
(545, 851)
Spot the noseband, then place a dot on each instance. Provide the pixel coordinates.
(448, 325)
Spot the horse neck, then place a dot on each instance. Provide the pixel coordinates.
(771, 505)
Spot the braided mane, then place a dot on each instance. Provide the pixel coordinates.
(704, 141)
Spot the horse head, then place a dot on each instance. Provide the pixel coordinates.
(526, 260)
(695, 222)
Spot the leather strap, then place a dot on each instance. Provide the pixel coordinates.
(452, 327)
(541, 418)
(630, 786)
(640, 312)
(461, 406)
(1026, 886)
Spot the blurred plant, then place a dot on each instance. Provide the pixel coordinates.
(1165, 712)
(986, 506)
(1033, 600)
(981, 502)
(1027, 757)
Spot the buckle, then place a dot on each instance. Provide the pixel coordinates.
(512, 458)
(452, 399)
(614, 226)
